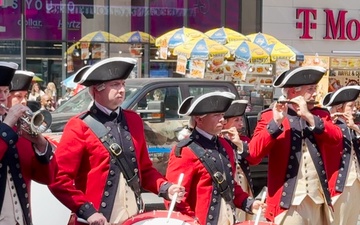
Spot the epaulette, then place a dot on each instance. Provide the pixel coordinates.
(183, 143)
(261, 112)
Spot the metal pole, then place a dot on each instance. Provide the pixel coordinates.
(223, 13)
(23, 37)
(185, 14)
(146, 55)
(64, 21)
(107, 26)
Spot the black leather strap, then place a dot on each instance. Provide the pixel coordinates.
(217, 176)
(115, 151)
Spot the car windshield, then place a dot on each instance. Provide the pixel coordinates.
(81, 101)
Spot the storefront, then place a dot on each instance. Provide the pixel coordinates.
(39, 41)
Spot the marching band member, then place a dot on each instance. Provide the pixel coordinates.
(208, 164)
(233, 123)
(344, 175)
(102, 155)
(23, 157)
(296, 136)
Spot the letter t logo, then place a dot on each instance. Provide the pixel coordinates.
(306, 25)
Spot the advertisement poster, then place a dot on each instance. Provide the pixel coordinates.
(197, 68)
(181, 64)
(85, 50)
(163, 52)
(43, 20)
(69, 64)
(281, 65)
(323, 61)
(98, 51)
(240, 69)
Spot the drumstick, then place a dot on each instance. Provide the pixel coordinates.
(258, 214)
(173, 201)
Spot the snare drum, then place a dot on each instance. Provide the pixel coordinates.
(251, 222)
(159, 217)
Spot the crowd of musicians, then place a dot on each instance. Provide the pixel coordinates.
(101, 163)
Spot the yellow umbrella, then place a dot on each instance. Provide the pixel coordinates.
(248, 51)
(71, 49)
(100, 36)
(37, 79)
(204, 48)
(280, 51)
(178, 36)
(262, 39)
(225, 35)
(137, 37)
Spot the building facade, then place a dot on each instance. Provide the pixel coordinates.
(32, 32)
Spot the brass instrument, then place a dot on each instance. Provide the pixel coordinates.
(33, 123)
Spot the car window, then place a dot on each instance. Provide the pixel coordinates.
(82, 101)
(170, 96)
(200, 90)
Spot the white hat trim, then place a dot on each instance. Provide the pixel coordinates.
(336, 93)
(10, 65)
(24, 72)
(287, 77)
(241, 101)
(104, 61)
(207, 95)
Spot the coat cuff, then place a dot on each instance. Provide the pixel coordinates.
(319, 125)
(8, 134)
(273, 129)
(44, 158)
(163, 192)
(247, 205)
(245, 153)
(86, 210)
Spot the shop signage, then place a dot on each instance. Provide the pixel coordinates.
(337, 25)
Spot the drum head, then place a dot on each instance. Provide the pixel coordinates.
(160, 217)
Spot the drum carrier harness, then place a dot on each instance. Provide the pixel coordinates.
(117, 153)
(225, 187)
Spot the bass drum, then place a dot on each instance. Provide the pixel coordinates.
(251, 222)
(159, 217)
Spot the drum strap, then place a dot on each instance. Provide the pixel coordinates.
(217, 176)
(117, 153)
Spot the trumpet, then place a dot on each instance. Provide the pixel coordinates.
(33, 123)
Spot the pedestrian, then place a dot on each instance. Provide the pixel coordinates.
(35, 93)
(23, 157)
(102, 156)
(46, 103)
(51, 91)
(233, 123)
(208, 164)
(296, 135)
(344, 174)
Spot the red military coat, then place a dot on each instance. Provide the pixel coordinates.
(84, 164)
(41, 169)
(198, 182)
(278, 150)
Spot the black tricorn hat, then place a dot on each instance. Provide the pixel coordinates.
(342, 95)
(7, 71)
(106, 70)
(237, 108)
(300, 76)
(213, 102)
(21, 80)
(80, 73)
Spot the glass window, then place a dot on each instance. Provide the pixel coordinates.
(200, 90)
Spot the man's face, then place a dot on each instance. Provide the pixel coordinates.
(211, 123)
(307, 91)
(4, 94)
(18, 97)
(46, 101)
(113, 95)
(349, 107)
